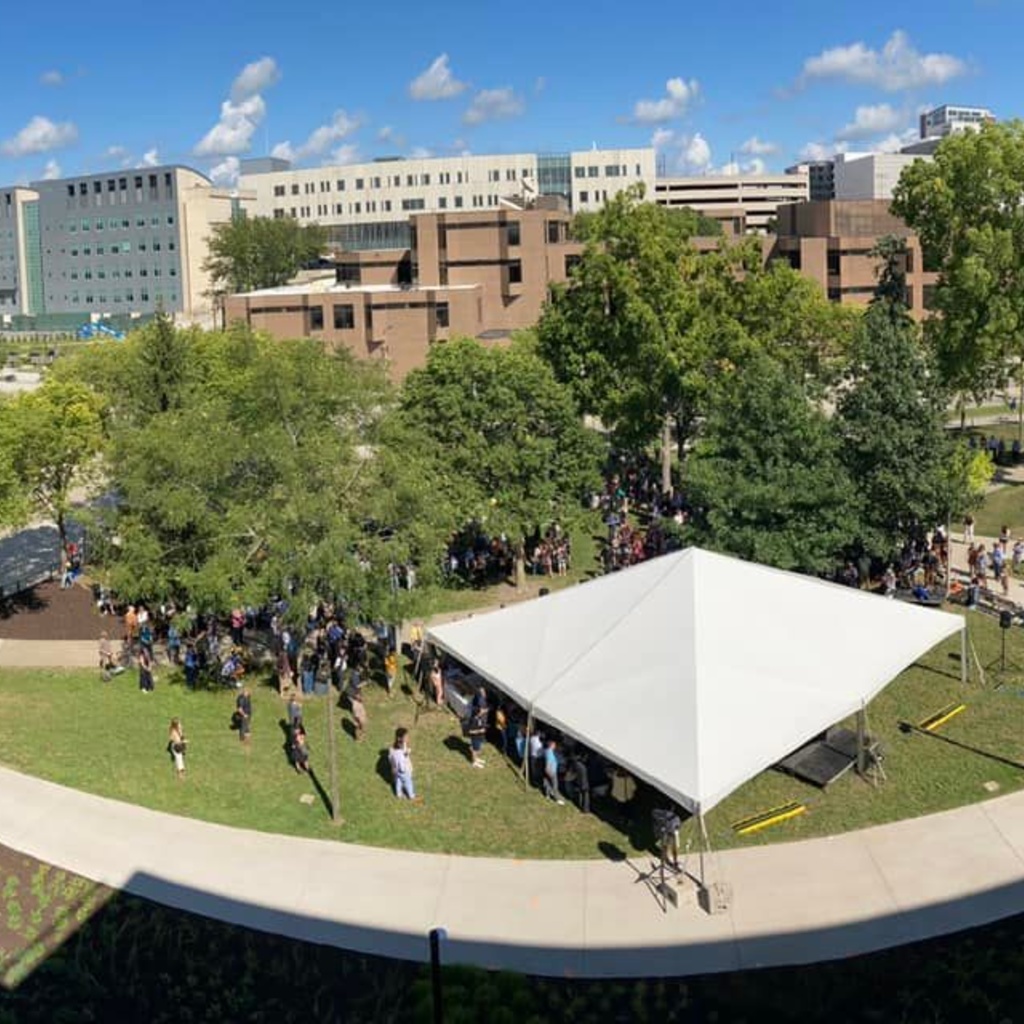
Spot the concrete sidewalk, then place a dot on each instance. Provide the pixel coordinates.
(792, 902)
(49, 654)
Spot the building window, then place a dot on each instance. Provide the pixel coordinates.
(458, 202)
(279, 190)
(612, 170)
(316, 318)
(554, 232)
(592, 171)
(579, 172)
(349, 273)
(515, 272)
(441, 311)
(442, 202)
(341, 185)
(413, 204)
(359, 183)
(295, 190)
(584, 197)
(513, 232)
(424, 179)
(344, 317)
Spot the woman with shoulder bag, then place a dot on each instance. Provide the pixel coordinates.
(176, 744)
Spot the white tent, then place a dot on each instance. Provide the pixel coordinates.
(695, 671)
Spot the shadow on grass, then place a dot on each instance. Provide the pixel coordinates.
(321, 792)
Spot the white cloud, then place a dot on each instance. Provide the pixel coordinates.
(895, 141)
(320, 139)
(255, 78)
(242, 113)
(347, 154)
(684, 154)
(822, 150)
(757, 147)
(52, 170)
(420, 153)
(436, 83)
(897, 66)
(872, 120)
(234, 131)
(734, 167)
(540, 83)
(493, 105)
(151, 158)
(53, 77)
(115, 153)
(40, 135)
(679, 96)
(226, 172)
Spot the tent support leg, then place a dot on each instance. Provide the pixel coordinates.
(525, 772)
(963, 656)
(862, 741)
(704, 847)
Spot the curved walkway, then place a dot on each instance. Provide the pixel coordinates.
(792, 903)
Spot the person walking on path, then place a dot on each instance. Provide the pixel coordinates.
(176, 746)
(243, 714)
(107, 663)
(400, 759)
(390, 669)
(551, 773)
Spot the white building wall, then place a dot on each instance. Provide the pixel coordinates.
(870, 175)
(757, 195)
(13, 295)
(393, 190)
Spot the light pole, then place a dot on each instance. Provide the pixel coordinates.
(436, 936)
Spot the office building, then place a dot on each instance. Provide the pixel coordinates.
(864, 176)
(369, 205)
(480, 274)
(821, 178)
(741, 203)
(949, 119)
(831, 242)
(123, 244)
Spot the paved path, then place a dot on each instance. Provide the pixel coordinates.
(792, 902)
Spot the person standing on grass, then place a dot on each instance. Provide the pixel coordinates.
(355, 701)
(476, 732)
(400, 759)
(176, 745)
(551, 773)
(145, 670)
(106, 657)
(390, 669)
(243, 709)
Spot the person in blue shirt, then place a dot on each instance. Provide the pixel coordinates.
(551, 773)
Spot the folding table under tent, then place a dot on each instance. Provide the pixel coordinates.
(695, 671)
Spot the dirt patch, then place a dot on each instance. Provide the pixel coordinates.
(41, 908)
(48, 613)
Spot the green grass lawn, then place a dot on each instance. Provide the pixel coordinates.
(1003, 506)
(110, 739)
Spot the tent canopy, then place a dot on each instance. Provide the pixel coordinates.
(695, 671)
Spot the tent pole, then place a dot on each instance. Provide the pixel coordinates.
(964, 665)
(703, 846)
(862, 739)
(526, 750)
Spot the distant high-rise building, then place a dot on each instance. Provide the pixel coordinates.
(948, 119)
(123, 243)
(862, 176)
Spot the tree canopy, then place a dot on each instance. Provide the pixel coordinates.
(247, 253)
(765, 477)
(51, 439)
(503, 433)
(967, 206)
(266, 471)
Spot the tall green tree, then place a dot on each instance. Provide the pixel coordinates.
(966, 205)
(247, 253)
(504, 434)
(765, 477)
(648, 320)
(891, 419)
(52, 438)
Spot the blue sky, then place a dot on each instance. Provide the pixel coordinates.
(741, 86)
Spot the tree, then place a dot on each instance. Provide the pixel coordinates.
(247, 253)
(52, 438)
(647, 321)
(629, 333)
(967, 207)
(765, 477)
(891, 418)
(504, 434)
